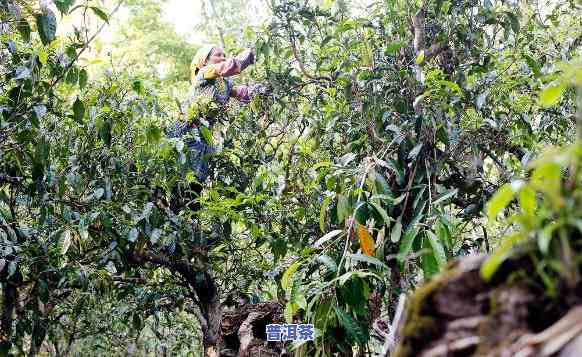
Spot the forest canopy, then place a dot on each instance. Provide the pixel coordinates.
(403, 175)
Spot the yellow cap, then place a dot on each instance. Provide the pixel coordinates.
(200, 58)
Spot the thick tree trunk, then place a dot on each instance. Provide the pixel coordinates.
(458, 313)
(212, 313)
(205, 291)
(9, 298)
(39, 330)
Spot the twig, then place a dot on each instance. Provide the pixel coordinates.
(390, 341)
(297, 58)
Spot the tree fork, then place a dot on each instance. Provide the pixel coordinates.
(206, 291)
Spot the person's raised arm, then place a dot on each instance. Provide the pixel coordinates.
(228, 67)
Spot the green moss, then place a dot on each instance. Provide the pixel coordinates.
(418, 325)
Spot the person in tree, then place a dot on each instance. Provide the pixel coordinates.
(211, 89)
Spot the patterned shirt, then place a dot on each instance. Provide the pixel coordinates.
(209, 94)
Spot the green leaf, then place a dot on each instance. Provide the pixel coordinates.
(290, 309)
(83, 78)
(382, 212)
(153, 134)
(445, 196)
(368, 259)
(532, 64)
(406, 243)
(100, 13)
(551, 95)
(381, 185)
(288, 274)
(105, 132)
(353, 294)
(72, 76)
(206, 134)
(429, 264)
(132, 235)
(343, 208)
(452, 86)
(527, 200)
(545, 236)
(420, 57)
(65, 242)
(138, 87)
(492, 263)
(499, 201)
(444, 234)
(437, 249)
(11, 268)
(415, 151)
(446, 7)
(327, 237)
(137, 322)
(43, 291)
(392, 48)
(355, 332)
(47, 26)
(42, 152)
(327, 261)
(396, 231)
(514, 21)
(64, 5)
(546, 177)
(24, 28)
(78, 111)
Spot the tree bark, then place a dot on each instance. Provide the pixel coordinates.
(9, 298)
(206, 292)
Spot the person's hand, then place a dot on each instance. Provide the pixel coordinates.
(246, 58)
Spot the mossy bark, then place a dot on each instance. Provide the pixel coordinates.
(457, 313)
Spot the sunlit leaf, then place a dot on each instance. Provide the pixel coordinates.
(343, 208)
(493, 262)
(499, 201)
(415, 151)
(288, 274)
(420, 57)
(551, 95)
(64, 5)
(100, 13)
(65, 242)
(327, 237)
(406, 243)
(133, 234)
(328, 262)
(437, 249)
(527, 199)
(368, 259)
(396, 231)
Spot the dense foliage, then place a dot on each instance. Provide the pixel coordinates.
(366, 167)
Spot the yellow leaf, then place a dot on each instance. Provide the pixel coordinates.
(366, 241)
(420, 57)
(551, 95)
